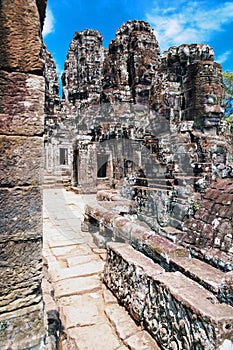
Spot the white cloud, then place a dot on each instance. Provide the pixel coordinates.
(190, 21)
(223, 57)
(49, 22)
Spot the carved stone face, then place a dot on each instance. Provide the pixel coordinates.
(210, 102)
(204, 94)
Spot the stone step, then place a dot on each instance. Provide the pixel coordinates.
(155, 246)
(169, 255)
(172, 307)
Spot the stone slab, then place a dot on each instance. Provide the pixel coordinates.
(77, 286)
(197, 298)
(79, 260)
(97, 337)
(75, 299)
(141, 341)
(89, 311)
(88, 269)
(56, 241)
(109, 298)
(206, 275)
(133, 257)
(121, 321)
(22, 103)
(74, 250)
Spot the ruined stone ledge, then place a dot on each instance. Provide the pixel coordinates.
(111, 195)
(153, 245)
(21, 104)
(25, 155)
(169, 255)
(214, 257)
(174, 309)
(206, 275)
(23, 328)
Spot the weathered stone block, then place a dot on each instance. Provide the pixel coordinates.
(206, 275)
(186, 314)
(20, 274)
(125, 273)
(22, 329)
(95, 337)
(178, 312)
(20, 41)
(161, 250)
(20, 213)
(21, 103)
(21, 161)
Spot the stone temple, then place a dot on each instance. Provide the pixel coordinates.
(143, 133)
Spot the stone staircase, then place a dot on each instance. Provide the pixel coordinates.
(55, 181)
(181, 301)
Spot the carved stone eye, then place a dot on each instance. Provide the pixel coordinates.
(211, 100)
(223, 102)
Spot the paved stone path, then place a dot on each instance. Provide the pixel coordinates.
(90, 315)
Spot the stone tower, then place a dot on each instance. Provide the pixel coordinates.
(82, 75)
(131, 63)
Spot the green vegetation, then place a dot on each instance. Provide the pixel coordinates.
(228, 83)
(195, 206)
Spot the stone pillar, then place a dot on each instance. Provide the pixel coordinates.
(21, 168)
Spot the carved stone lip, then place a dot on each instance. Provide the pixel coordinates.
(212, 119)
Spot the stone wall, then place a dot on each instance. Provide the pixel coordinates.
(22, 124)
(209, 233)
(178, 312)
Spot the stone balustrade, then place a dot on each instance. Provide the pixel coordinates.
(170, 256)
(177, 311)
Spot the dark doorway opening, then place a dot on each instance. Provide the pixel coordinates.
(102, 161)
(63, 156)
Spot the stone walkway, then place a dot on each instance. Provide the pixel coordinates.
(90, 316)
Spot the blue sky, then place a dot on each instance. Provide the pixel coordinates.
(175, 22)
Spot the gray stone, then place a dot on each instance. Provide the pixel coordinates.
(78, 285)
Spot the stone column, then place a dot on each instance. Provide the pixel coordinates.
(21, 168)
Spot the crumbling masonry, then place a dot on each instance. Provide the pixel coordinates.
(146, 132)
